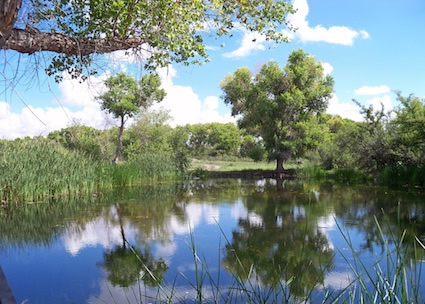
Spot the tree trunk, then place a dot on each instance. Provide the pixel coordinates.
(8, 14)
(124, 240)
(281, 157)
(279, 165)
(119, 147)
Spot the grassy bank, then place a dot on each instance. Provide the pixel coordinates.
(41, 169)
(399, 176)
(236, 164)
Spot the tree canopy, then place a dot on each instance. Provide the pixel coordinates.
(126, 96)
(281, 106)
(162, 31)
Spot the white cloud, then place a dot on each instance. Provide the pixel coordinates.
(377, 90)
(251, 42)
(327, 68)
(25, 123)
(184, 104)
(344, 109)
(378, 102)
(365, 35)
(75, 94)
(82, 94)
(335, 34)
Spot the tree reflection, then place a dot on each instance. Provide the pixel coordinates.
(287, 245)
(394, 211)
(126, 264)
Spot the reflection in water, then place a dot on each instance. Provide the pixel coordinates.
(122, 245)
(285, 245)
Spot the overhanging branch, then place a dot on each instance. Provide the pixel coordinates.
(29, 42)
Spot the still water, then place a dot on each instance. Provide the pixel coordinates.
(291, 239)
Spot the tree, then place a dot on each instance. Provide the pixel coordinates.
(126, 96)
(78, 137)
(162, 31)
(407, 130)
(280, 105)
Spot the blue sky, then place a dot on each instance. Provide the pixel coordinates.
(371, 48)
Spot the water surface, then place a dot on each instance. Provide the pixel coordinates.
(121, 246)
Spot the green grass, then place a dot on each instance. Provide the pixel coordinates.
(236, 165)
(40, 169)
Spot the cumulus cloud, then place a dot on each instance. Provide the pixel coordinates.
(185, 106)
(344, 109)
(254, 41)
(368, 91)
(251, 42)
(74, 93)
(38, 121)
(80, 105)
(335, 34)
(365, 35)
(27, 122)
(327, 68)
(382, 101)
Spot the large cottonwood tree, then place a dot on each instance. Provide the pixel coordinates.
(164, 31)
(279, 105)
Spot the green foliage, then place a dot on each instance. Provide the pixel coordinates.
(280, 105)
(41, 169)
(214, 139)
(224, 138)
(135, 24)
(146, 167)
(408, 132)
(126, 96)
(178, 140)
(391, 146)
(399, 176)
(80, 138)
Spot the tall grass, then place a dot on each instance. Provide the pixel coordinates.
(146, 167)
(397, 176)
(340, 175)
(40, 169)
(394, 278)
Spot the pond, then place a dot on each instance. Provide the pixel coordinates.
(237, 240)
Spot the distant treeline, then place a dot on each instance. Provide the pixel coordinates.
(150, 133)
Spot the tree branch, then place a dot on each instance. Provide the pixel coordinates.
(29, 42)
(8, 14)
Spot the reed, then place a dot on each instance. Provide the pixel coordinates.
(398, 176)
(40, 169)
(146, 167)
(393, 278)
